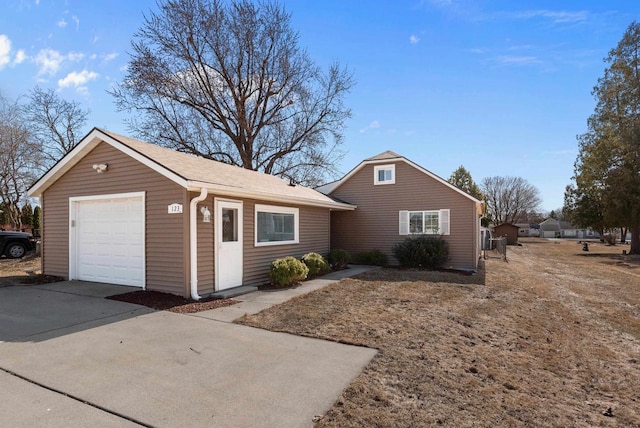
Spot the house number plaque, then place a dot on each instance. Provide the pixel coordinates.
(175, 209)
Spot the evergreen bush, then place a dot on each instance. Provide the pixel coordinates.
(338, 259)
(316, 264)
(372, 258)
(287, 271)
(427, 252)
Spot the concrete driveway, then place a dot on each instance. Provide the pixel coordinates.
(69, 357)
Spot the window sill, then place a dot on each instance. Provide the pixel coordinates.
(274, 243)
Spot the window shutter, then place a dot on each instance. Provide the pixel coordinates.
(404, 222)
(444, 222)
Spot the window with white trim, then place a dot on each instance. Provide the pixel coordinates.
(424, 222)
(276, 225)
(384, 174)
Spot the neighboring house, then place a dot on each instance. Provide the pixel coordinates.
(396, 199)
(121, 211)
(528, 229)
(509, 230)
(567, 230)
(552, 228)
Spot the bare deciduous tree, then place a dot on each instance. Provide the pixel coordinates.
(54, 123)
(509, 199)
(228, 81)
(18, 155)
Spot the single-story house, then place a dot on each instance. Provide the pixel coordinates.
(122, 211)
(528, 229)
(509, 230)
(550, 228)
(397, 199)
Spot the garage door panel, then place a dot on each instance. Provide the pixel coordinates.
(110, 240)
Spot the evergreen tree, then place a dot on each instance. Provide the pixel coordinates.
(606, 193)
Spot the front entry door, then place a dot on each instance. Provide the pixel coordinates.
(228, 238)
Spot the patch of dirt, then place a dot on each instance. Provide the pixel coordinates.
(550, 338)
(171, 302)
(24, 271)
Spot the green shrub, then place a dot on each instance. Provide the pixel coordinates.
(316, 263)
(338, 259)
(287, 271)
(373, 258)
(428, 252)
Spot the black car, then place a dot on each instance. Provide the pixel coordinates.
(15, 245)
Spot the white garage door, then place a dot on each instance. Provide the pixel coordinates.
(110, 240)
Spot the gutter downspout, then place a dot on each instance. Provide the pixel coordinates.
(193, 241)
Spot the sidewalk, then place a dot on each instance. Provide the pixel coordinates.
(257, 301)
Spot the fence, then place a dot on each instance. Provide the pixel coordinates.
(497, 249)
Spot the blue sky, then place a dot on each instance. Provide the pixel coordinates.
(500, 87)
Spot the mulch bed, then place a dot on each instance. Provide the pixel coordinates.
(171, 302)
(38, 279)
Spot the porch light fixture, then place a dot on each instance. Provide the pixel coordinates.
(206, 214)
(100, 167)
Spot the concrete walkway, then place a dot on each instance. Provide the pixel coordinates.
(257, 301)
(69, 357)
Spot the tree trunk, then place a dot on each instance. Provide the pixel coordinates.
(623, 235)
(635, 240)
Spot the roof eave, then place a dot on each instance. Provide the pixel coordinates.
(264, 196)
(338, 183)
(88, 143)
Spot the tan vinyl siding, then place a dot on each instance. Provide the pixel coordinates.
(166, 251)
(375, 223)
(206, 261)
(313, 234)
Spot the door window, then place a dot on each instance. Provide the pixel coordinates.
(229, 225)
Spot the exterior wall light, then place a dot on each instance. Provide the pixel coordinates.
(100, 167)
(206, 214)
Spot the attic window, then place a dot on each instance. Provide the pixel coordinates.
(384, 174)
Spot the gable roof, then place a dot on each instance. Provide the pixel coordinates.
(191, 172)
(384, 157)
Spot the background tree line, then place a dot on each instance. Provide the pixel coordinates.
(34, 134)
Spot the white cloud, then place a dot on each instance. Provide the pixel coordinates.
(110, 57)
(373, 125)
(518, 60)
(78, 80)
(414, 39)
(62, 23)
(20, 57)
(5, 50)
(49, 60)
(75, 56)
(37, 2)
(557, 17)
(77, 21)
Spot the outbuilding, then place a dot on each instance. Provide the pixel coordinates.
(509, 230)
(122, 211)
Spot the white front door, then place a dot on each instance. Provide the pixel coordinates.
(228, 238)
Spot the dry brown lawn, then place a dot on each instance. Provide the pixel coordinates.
(551, 338)
(21, 271)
